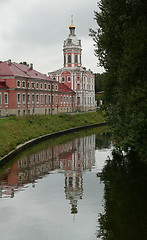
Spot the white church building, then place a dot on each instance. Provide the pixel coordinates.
(74, 75)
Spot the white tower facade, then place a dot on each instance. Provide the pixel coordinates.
(72, 50)
(74, 75)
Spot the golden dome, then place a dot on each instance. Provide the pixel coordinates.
(71, 26)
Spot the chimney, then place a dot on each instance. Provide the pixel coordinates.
(31, 65)
(9, 62)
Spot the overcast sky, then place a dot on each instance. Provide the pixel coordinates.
(34, 31)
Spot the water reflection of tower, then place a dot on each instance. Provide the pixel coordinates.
(73, 189)
(74, 162)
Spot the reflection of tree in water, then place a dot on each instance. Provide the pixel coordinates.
(103, 140)
(125, 216)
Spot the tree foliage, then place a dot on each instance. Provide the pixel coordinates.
(120, 45)
(125, 195)
(99, 82)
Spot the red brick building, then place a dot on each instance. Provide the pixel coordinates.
(24, 90)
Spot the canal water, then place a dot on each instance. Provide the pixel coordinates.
(65, 189)
(51, 191)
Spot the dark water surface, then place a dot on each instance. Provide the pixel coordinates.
(63, 189)
(52, 191)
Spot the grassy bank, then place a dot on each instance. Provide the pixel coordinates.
(17, 130)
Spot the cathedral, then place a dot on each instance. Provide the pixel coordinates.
(74, 75)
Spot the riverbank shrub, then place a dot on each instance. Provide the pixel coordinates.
(16, 130)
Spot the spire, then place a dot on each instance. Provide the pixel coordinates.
(72, 26)
(71, 19)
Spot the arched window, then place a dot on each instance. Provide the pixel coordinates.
(76, 58)
(18, 83)
(69, 58)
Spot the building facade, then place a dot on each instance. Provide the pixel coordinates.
(24, 90)
(73, 75)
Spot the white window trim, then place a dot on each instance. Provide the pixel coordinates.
(41, 98)
(24, 84)
(33, 84)
(33, 101)
(28, 97)
(49, 99)
(0, 98)
(45, 99)
(24, 101)
(37, 85)
(18, 81)
(19, 102)
(37, 96)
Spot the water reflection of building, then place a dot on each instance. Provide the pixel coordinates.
(73, 189)
(71, 158)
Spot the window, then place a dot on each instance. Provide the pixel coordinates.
(52, 86)
(69, 79)
(63, 79)
(56, 100)
(76, 58)
(33, 84)
(28, 98)
(52, 99)
(18, 83)
(24, 98)
(23, 84)
(49, 99)
(69, 41)
(69, 58)
(0, 98)
(67, 99)
(41, 86)
(64, 59)
(18, 112)
(78, 86)
(41, 96)
(45, 86)
(78, 100)
(56, 87)
(37, 85)
(18, 98)
(61, 99)
(28, 85)
(37, 98)
(49, 86)
(45, 99)
(33, 98)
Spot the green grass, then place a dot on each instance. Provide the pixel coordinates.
(17, 130)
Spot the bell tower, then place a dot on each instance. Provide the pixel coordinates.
(72, 48)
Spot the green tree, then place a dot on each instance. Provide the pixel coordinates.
(125, 197)
(121, 43)
(99, 82)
